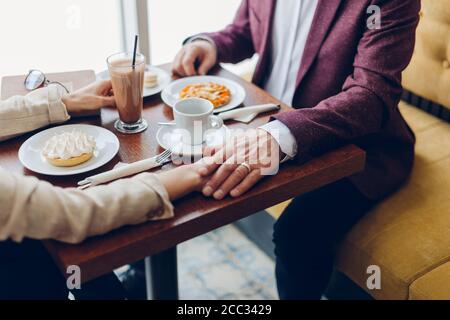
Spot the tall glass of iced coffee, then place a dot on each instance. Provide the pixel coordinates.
(128, 85)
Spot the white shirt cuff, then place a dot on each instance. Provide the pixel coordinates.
(286, 140)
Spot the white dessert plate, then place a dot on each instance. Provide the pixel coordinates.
(169, 138)
(171, 94)
(30, 153)
(164, 80)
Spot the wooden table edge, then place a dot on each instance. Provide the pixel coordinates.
(94, 267)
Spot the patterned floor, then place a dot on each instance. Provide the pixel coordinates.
(225, 264)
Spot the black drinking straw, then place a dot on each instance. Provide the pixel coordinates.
(136, 38)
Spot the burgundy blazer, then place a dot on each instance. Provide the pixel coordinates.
(348, 85)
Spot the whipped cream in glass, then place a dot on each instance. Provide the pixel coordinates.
(69, 145)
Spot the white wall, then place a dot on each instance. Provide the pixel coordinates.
(171, 21)
(56, 35)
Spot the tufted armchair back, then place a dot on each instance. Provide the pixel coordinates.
(428, 75)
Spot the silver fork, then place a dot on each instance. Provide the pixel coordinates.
(160, 160)
(163, 157)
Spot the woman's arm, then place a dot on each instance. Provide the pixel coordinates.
(21, 114)
(50, 105)
(38, 210)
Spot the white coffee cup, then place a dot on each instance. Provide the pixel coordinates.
(194, 117)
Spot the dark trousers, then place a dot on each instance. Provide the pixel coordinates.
(306, 234)
(27, 272)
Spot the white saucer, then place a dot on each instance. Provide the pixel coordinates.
(171, 94)
(164, 80)
(169, 139)
(107, 146)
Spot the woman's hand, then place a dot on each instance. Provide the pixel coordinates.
(184, 179)
(93, 97)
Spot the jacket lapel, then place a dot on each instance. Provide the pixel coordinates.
(323, 19)
(269, 5)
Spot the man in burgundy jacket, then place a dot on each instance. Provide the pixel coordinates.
(339, 64)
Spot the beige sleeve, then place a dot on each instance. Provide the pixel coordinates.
(39, 108)
(38, 210)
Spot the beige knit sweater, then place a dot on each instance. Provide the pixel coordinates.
(36, 209)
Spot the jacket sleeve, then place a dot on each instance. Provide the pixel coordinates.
(235, 43)
(21, 114)
(38, 210)
(367, 96)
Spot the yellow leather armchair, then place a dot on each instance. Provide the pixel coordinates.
(408, 235)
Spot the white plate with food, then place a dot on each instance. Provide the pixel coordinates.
(225, 94)
(68, 150)
(155, 80)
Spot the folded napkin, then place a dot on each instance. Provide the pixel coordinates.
(121, 170)
(247, 114)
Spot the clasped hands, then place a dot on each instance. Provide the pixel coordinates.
(235, 167)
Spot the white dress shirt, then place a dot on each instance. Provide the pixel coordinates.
(291, 26)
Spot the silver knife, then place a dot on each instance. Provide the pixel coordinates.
(247, 114)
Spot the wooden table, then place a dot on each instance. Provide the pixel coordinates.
(195, 215)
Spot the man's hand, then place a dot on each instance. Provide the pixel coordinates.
(93, 97)
(201, 53)
(240, 164)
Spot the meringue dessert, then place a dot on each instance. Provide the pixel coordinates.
(150, 79)
(69, 149)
